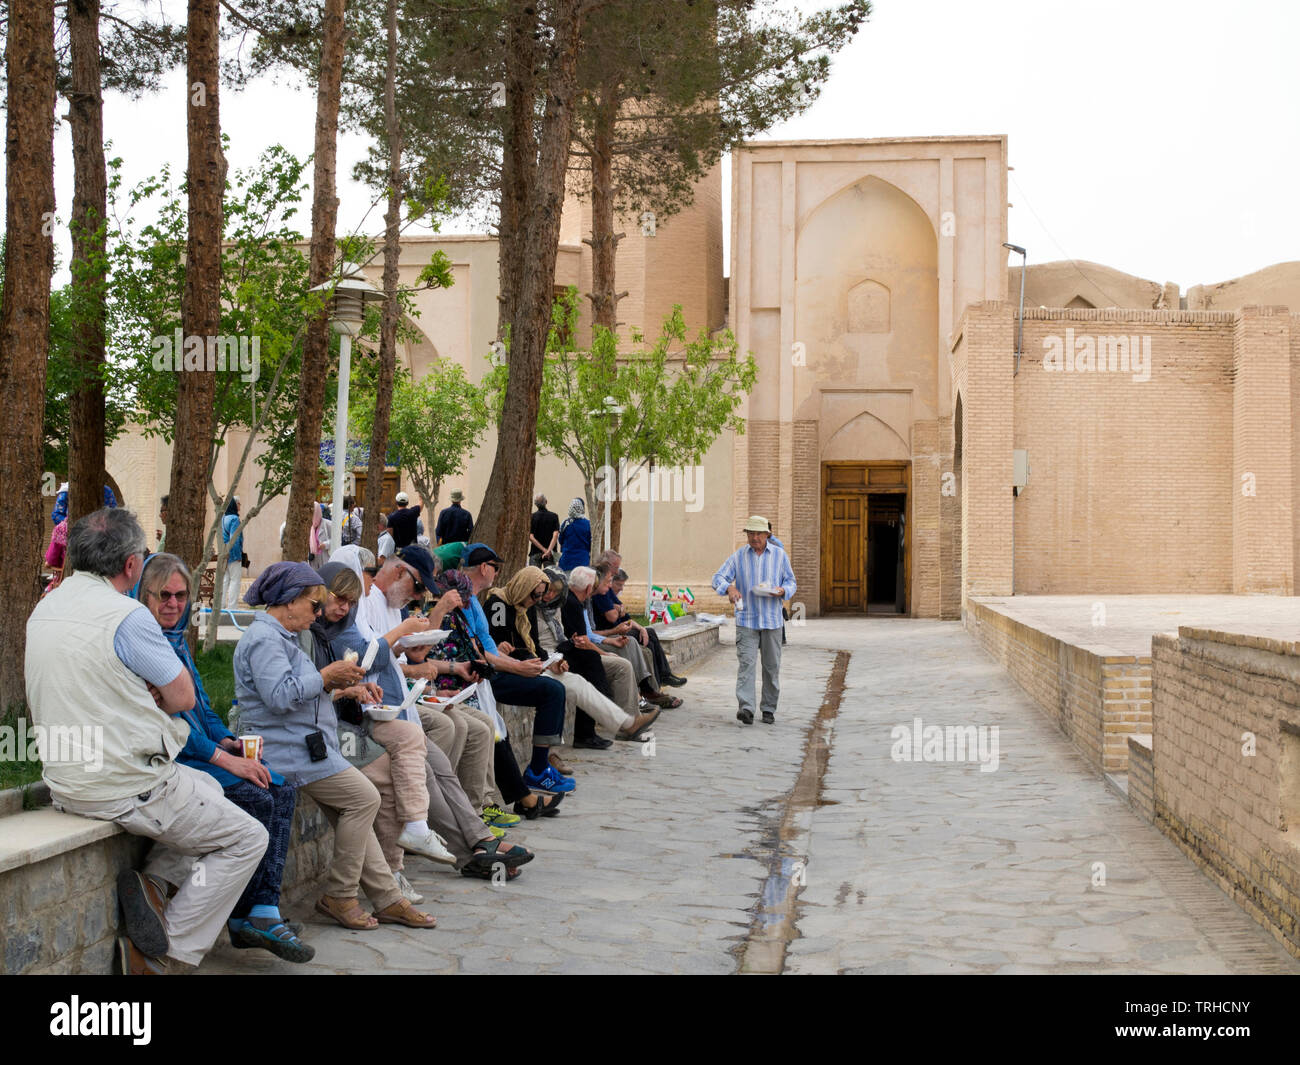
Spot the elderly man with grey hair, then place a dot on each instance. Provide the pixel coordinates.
(98, 664)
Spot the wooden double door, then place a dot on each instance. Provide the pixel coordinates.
(866, 557)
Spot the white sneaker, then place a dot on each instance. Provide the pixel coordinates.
(432, 846)
(408, 892)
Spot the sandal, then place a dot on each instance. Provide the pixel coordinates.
(402, 912)
(279, 939)
(491, 853)
(545, 806)
(347, 912)
(664, 700)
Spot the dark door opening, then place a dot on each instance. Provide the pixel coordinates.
(885, 537)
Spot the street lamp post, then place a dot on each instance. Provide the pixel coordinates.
(349, 294)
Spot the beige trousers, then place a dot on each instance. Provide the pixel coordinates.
(350, 803)
(466, 738)
(392, 776)
(205, 844)
(580, 692)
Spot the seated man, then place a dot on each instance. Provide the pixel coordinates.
(607, 609)
(124, 681)
(517, 683)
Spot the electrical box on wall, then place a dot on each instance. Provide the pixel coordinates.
(1020, 476)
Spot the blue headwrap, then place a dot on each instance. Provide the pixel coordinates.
(282, 582)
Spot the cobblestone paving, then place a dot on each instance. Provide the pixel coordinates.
(658, 863)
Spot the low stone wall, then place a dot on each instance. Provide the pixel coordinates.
(1141, 777)
(1098, 700)
(1226, 762)
(58, 894)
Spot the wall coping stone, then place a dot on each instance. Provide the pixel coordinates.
(35, 835)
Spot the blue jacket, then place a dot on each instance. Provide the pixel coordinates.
(575, 544)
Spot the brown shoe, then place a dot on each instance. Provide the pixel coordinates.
(640, 725)
(557, 763)
(133, 963)
(144, 912)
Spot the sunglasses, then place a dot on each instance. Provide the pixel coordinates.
(317, 606)
(535, 596)
(167, 597)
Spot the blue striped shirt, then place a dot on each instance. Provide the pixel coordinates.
(746, 568)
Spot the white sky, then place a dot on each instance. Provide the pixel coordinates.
(1156, 137)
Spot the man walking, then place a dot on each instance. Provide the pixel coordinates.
(757, 579)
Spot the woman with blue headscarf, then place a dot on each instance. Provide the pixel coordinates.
(286, 698)
(212, 748)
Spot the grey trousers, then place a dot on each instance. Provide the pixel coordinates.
(622, 681)
(640, 659)
(749, 644)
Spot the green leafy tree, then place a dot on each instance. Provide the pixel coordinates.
(678, 395)
(435, 423)
(265, 306)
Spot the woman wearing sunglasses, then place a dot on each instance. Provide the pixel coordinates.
(513, 622)
(164, 588)
(284, 698)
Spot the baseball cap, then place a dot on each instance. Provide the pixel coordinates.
(420, 560)
(402, 498)
(477, 554)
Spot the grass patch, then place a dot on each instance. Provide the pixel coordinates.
(16, 770)
(217, 671)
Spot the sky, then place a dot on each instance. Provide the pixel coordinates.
(1155, 137)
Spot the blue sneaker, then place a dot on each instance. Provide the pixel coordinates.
(549, 780)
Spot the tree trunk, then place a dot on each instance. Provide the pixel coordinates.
(25, 323)
(518, 158)
(388, 324)
(316, 348)
(187, 506)
(615, 522)
(89, 207)
(604, 242)
(503, 519)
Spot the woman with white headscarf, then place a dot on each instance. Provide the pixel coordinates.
(575, 537)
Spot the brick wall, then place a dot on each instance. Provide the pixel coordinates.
(805, 548)
(1141, 777)
(1129, 479)
(1096, 700)
(1232, 812)
(1263, 537)
(927, 464)
(983, 360)
(949, 527)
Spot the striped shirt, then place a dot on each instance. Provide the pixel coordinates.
(746, 568)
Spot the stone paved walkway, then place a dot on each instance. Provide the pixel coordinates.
(658, 863)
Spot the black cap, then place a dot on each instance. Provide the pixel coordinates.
(420, 560)
(477, 554)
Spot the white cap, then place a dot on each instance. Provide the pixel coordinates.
(402, 498)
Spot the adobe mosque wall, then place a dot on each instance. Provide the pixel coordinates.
(869, 281)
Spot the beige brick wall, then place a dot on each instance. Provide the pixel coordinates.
(1226, 809)
(804, 543)
(1129, 480)
(1263, 540)
(983, 358)
(1098, 701)
(1141, 777)
(927, 464)
(949, 528)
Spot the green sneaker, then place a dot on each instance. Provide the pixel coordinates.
(497, 833)
(495, 817)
